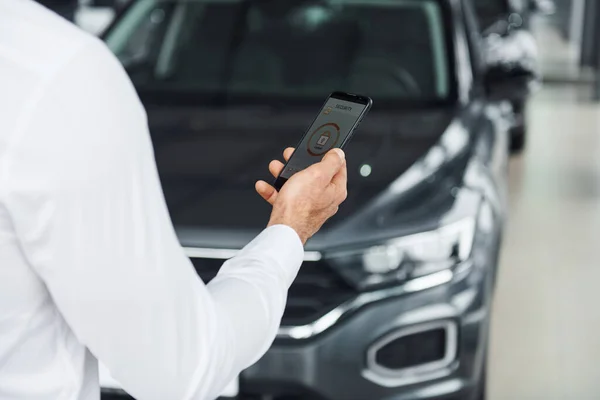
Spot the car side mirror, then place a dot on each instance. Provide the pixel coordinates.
(507, 81)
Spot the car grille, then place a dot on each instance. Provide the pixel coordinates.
(317, 289)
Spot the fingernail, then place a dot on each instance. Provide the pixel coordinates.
(340, 153)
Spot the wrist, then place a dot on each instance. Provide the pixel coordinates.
(289, 222)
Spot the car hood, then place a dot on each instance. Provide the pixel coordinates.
(209, 160)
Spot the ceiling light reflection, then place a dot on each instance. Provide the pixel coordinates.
(365, 170)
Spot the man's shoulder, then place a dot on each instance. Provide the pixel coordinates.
(37, 40)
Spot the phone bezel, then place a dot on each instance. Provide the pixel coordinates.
(351, 97)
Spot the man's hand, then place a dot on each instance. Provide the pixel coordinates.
(310, 197)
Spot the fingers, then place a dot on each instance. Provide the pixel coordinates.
(266, 191)
(287, 153)
(275, 167)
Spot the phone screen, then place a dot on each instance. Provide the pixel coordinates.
(331, 129)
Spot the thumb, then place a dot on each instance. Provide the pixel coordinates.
(332, 163)
(341, 178)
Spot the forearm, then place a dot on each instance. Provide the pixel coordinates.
(262, 272)
(249, 296)
(246, 329)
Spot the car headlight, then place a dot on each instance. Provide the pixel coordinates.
(408, 257)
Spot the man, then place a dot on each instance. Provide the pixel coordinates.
(90, 266)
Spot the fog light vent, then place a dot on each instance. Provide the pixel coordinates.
(413, 350)
(413, 354)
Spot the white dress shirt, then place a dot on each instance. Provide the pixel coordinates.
(90, 266)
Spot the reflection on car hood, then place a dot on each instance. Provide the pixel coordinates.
(209, 160)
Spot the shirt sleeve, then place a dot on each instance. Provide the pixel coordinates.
(84, 195)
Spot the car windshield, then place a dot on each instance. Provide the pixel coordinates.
(389, 50)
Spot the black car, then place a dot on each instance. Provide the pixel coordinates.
(393, 299)
(505, 27)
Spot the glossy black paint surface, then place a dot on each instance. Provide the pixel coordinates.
(428, 164)
(215, 157)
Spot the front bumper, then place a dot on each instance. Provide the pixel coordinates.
(334, 364)
(330, 359)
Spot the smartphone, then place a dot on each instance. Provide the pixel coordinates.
(332, 128)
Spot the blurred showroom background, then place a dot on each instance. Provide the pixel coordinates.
(544, 340)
